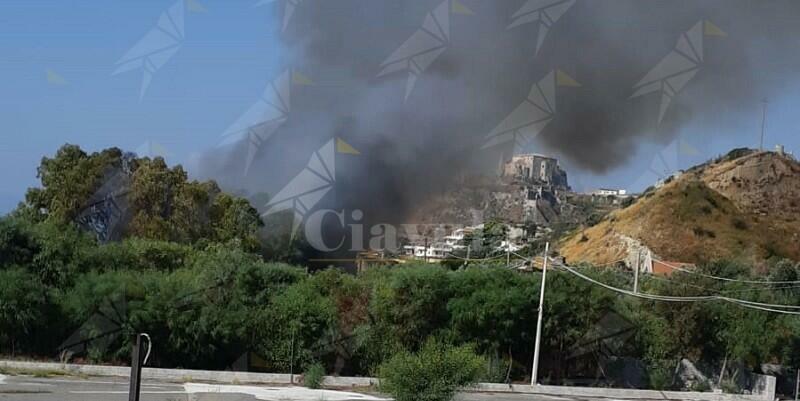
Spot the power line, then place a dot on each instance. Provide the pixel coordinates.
(678, 268)
(788, 287)
(740, 302)
(454, 256)
(682, 283)
(786, 284)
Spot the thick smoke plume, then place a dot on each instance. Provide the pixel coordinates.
(412, 148)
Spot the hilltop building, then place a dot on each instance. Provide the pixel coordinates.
(536, 169)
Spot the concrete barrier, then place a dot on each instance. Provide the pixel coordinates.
(620, 393)
(765, 390)
(186, 375)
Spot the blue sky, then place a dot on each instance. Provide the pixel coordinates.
(56, 87)
(228, 55)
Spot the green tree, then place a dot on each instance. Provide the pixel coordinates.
(304, 319)
(411, 305)
(234, 220)
(23, 303)
(68, 181)
(17, 243)
(153, 188)
(496, 308)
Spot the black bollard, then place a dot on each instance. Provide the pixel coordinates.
(136, 369)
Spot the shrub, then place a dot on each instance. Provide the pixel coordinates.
(730, 387)
(434, 373)
(495, 371)
(660, 375)
(313, 376)
(702, 232)
(628, 201)
(23, 303)
(594, 219)
(739, 224)
(700, 386)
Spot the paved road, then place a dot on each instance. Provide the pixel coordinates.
(26, 388)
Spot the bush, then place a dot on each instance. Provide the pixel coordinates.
(313, 376)
(700, 386)
(730, 387)
(739, 224)
(660, 375)
(434, 373)
(23, 305)
(495, 371)
(628, 201)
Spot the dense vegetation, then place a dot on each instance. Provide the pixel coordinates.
(207, 296)
(206, 307)
(434, 373)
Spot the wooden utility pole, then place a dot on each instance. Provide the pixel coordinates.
(636, 272)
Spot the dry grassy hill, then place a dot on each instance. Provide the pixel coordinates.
(743, 206)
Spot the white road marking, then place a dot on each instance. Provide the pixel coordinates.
(34, 384)
(126, 392)
(279, 393)
(120, 383)
(82, 381)
(2, 379)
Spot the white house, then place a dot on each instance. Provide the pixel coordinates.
(609, 192)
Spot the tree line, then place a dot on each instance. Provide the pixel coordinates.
(191, 271)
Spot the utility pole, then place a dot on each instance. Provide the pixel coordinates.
(763, 123)
(636, 273)
(291, 359)
(535, 372)
(508, 252)
(797, 386)
(469, 250)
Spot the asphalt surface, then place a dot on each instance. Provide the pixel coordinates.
(27, 388)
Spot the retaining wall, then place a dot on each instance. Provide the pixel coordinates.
(765, 391)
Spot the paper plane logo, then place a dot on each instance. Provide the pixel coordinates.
(425, 45)
(259, 122)
(152, 150)
(99, 331)
(289, 8)
(678, 67)
(544, 12)
(53, 78)
(195, 7)
(531, 117)
(158, 45)
(308, 187)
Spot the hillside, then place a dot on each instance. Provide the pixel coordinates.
(745, 205)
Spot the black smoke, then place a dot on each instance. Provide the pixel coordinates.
(413, 149)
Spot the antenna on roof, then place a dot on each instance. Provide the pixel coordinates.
(764, 103)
